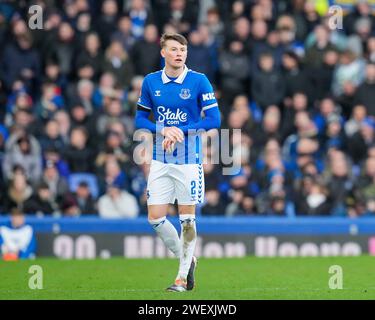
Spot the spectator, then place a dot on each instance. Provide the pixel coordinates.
(80, 117)
(50, 101)
(17, 240)
(234, 70)
(105, 87)
(51, 137)
(214, 205)
(269, 128)
(113, 112)
(370, 49)
(111, 171)
(315, 54)
(140, 17)
(360, 141)
(349, 71)
(215, 25)
(313, 200)
(268, 80)
(241, 31)
(248, 206)
(22, 106)
(335, 135)
(18, 192)
(361, 9)
(84, 95)
(112, 148)
(107, 21)
(199, 57)
(42, 202)
(64, 124)
(23, 150)
(124, 33)
(83, 25)
(84, 199)
(339, 182)
(278, 206)
(146, 52)
(117, 203)
(353, 125)
(236, 196)
(364, 186)
(320, 77)
(91, 55)
(366, 91)
(21, 61)
(52, 74)
(69, 206)
(298, 103)
(62, 48)
(78, 154)
(181, 16)
(57, 183)
(327, 108)
(117, 61)
(296, 79)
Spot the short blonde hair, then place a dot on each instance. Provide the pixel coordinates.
(172, 36)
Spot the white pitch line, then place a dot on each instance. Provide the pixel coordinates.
(161, 290)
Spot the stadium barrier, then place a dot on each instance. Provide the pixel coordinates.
(92, 237)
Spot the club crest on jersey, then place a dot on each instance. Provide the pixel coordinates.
(157, 93)
(185, 94)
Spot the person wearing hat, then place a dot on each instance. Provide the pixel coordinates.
(117, 203)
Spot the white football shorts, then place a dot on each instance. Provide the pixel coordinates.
(168, 182)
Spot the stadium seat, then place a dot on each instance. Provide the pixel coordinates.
(76, 178)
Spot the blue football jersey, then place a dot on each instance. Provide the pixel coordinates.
(178, 102)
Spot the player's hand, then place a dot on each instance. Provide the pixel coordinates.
(173, 133)
(168, 145)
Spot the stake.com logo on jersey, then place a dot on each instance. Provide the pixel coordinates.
(171, 117)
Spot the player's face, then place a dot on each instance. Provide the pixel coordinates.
(174, 54)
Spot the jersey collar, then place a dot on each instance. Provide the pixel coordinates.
(180, 78)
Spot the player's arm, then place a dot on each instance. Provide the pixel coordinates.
(143, 109)
(211, 120)
(210, 108)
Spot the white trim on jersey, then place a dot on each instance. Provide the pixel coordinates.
(180, 78)
(210, 106)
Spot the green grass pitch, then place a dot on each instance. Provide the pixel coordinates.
(235, 278)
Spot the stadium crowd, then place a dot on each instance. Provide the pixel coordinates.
(302, 94)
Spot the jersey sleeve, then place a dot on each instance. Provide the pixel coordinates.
(144, 100)
(207, 99)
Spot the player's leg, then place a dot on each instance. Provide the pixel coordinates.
(189, 182)
(164, 228)
(160, 192)
(188, 242)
